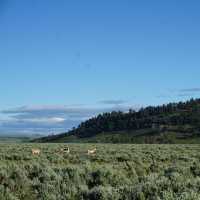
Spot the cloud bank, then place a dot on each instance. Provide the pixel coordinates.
(113, 102)
(185, 92)
(190, 90)
(52, 119)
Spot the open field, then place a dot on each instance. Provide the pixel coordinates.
(147, 136)
(13, 139)
(114, 172)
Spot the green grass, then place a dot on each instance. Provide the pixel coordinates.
(144, 136)
(116, 171)
(164, 135)
(14, 139)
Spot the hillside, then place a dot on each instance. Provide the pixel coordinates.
(171, 123)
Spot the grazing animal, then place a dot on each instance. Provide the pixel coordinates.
(91, 151)
(65, 150)
(35, 151)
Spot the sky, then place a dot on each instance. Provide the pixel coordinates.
(62, 62)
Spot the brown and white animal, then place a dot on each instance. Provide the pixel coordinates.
(36, 151)
(65, 150)
(91, 151)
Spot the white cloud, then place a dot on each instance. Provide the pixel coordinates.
(48, 120)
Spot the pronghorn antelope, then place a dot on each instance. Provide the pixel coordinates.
(35, 151)
(91, 151)
(65, 150)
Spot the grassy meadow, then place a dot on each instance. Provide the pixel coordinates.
(116, 171)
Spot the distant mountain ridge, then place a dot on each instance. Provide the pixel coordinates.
(170, 123)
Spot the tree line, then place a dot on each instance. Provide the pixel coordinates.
(152, 116)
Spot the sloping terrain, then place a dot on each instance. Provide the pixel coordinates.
(171, 123)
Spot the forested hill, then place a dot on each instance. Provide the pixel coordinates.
(169, 123)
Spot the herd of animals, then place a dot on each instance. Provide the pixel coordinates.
(64, 150)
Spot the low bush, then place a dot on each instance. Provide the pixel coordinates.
(118, 172)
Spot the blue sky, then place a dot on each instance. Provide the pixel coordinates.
(64, 61)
